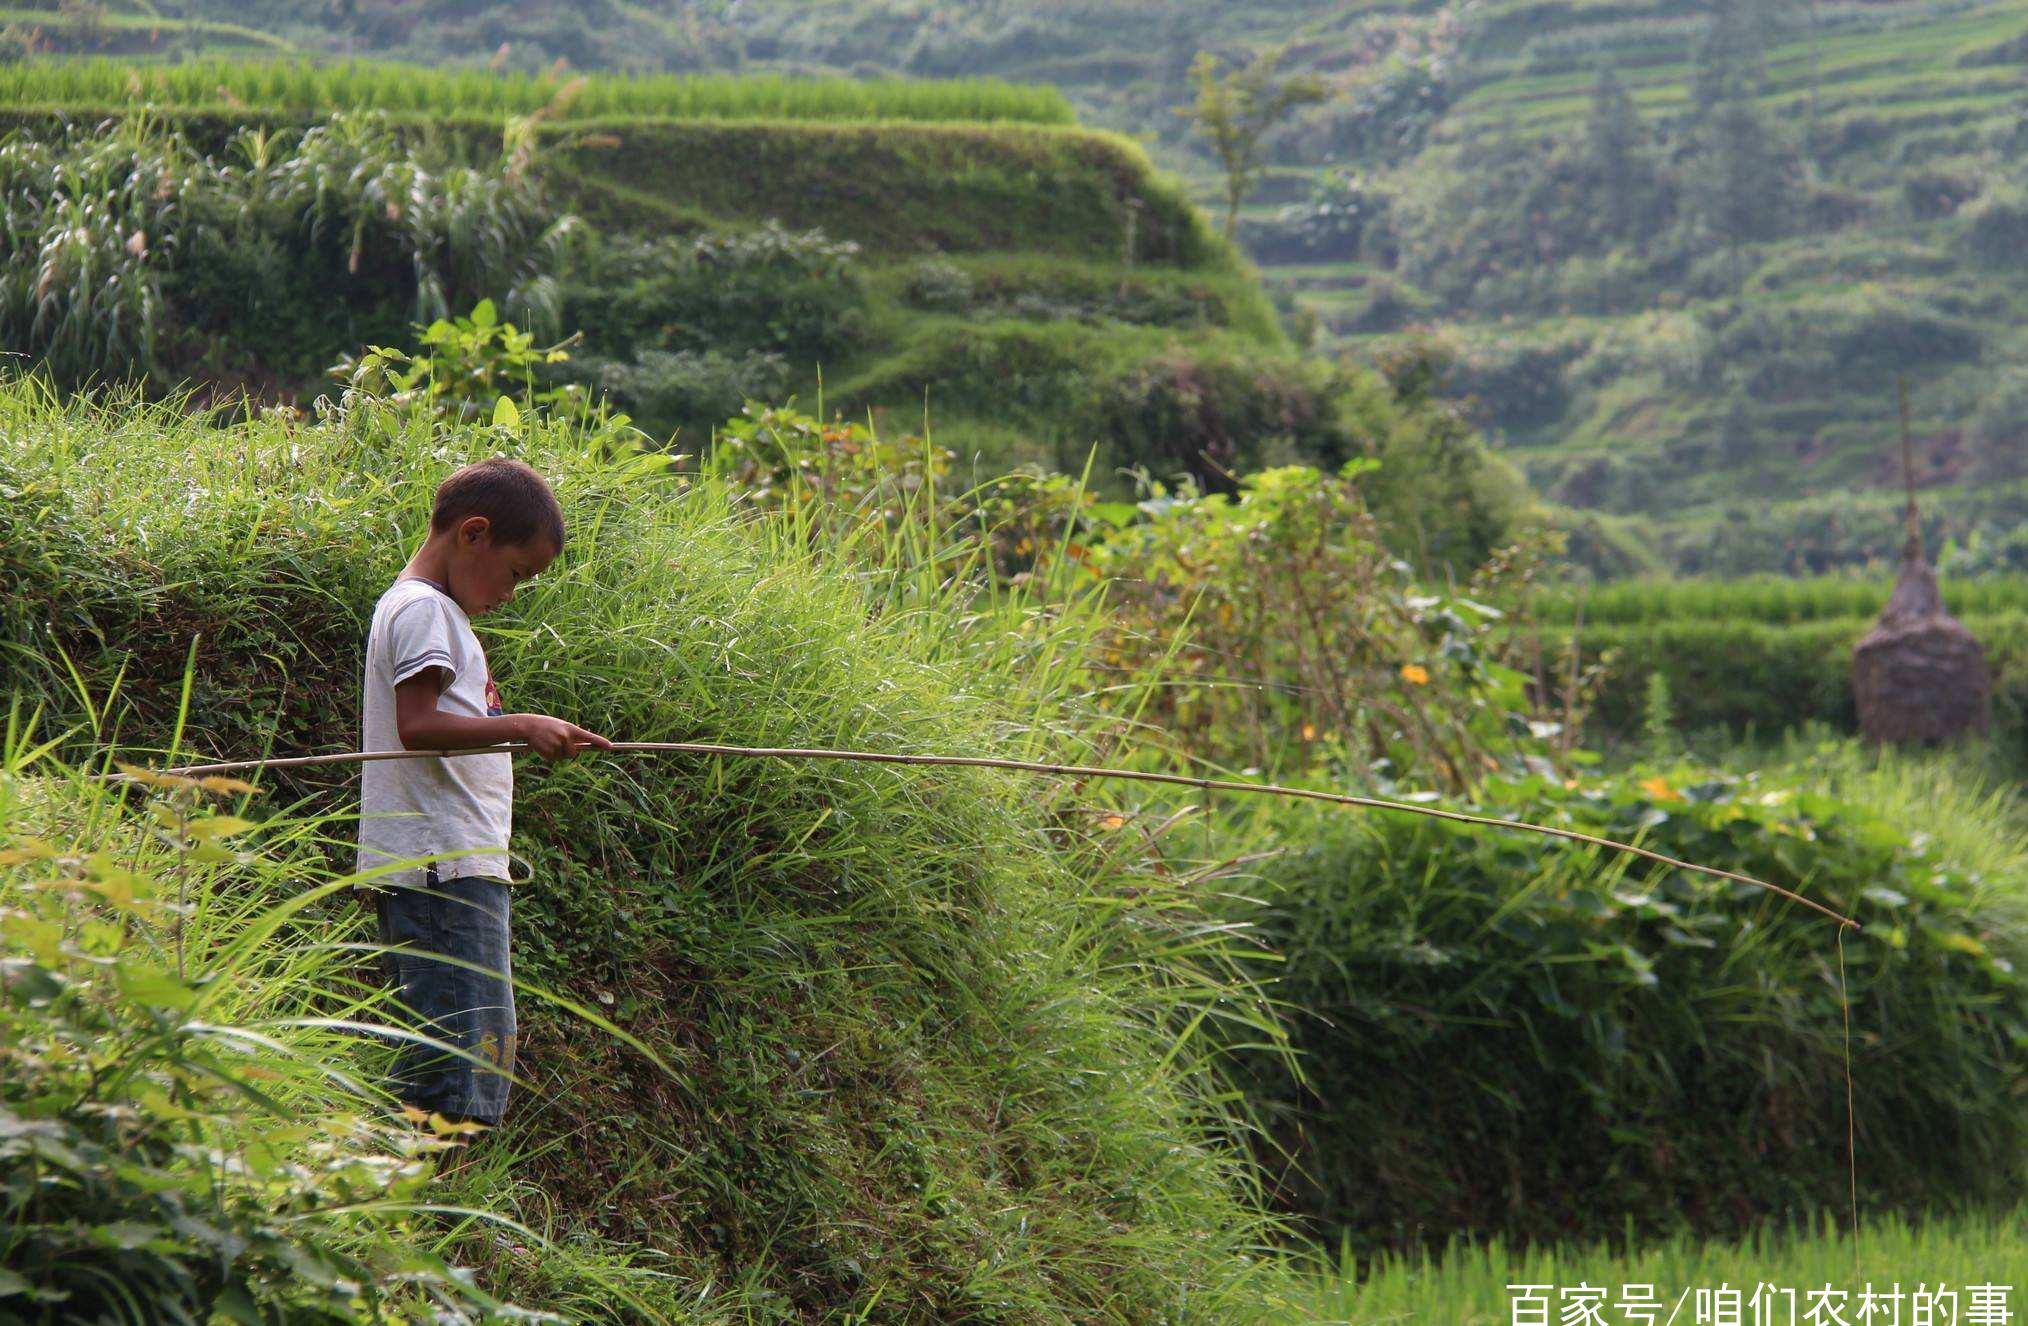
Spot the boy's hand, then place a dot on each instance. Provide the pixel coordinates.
(555, 739)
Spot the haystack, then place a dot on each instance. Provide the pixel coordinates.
(1919, 676)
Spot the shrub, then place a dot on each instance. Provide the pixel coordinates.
(1742, 675)
(684, 390)
(1856, 339)
(1443, 498)
(1215, 415)
(771, 290)
(1932, 194)
(1996, 226)
(1521, 384)
(1288, 582)
(1390, 305)
(160, 991)
(1508, 1036)
(1148, 398)
(1331, 224)
(941, 286)
(463, 368)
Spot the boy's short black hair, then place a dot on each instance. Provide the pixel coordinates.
(508, 493)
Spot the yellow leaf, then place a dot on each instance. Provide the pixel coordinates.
(30, 849)
(1309, 732)
(1415, 674)
(218, 826)
(153, 779)
(414, 1115)
(1658, 788)
(444, 1127)
(1111, 822)
(218, 783)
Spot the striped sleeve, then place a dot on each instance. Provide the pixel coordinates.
(419, 636)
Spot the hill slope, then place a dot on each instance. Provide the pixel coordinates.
(926, 1066)
(1696, 367)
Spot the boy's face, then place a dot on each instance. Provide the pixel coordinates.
(484, 572)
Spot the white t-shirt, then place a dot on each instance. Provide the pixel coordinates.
(411, 808)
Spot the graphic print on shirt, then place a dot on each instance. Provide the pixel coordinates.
(493, 709)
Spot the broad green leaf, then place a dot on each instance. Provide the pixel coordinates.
(154, 987)
(42, 938)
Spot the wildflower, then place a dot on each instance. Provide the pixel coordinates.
(1658, 788)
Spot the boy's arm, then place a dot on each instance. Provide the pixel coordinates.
(423, 726)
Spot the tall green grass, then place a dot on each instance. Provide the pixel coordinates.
(1771, 600)
(1467, 1283)
(934, 1035)
(191, 1095)
(303, 88)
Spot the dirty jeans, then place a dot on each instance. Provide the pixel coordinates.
(465, 919)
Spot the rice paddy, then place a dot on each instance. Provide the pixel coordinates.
(302, 88)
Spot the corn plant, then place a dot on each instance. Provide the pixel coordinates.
(95, 221)
(89, 221)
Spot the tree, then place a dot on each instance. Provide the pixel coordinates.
(1740, 179)
(1236, 111)
(1613, 141)
(1737, 441)
(1731, 63)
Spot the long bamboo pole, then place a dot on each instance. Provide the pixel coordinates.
(1024, 766)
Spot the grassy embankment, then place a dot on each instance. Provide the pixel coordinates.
(929, 1036)
(928, 1053)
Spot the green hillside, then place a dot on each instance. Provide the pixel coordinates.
(1660, 368)
(1693, 321)
(880, 246)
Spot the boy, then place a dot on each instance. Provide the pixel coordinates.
(494, 524)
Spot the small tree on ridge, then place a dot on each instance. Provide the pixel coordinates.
(1236, 111)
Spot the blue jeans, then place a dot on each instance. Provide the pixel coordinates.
(464, 919)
